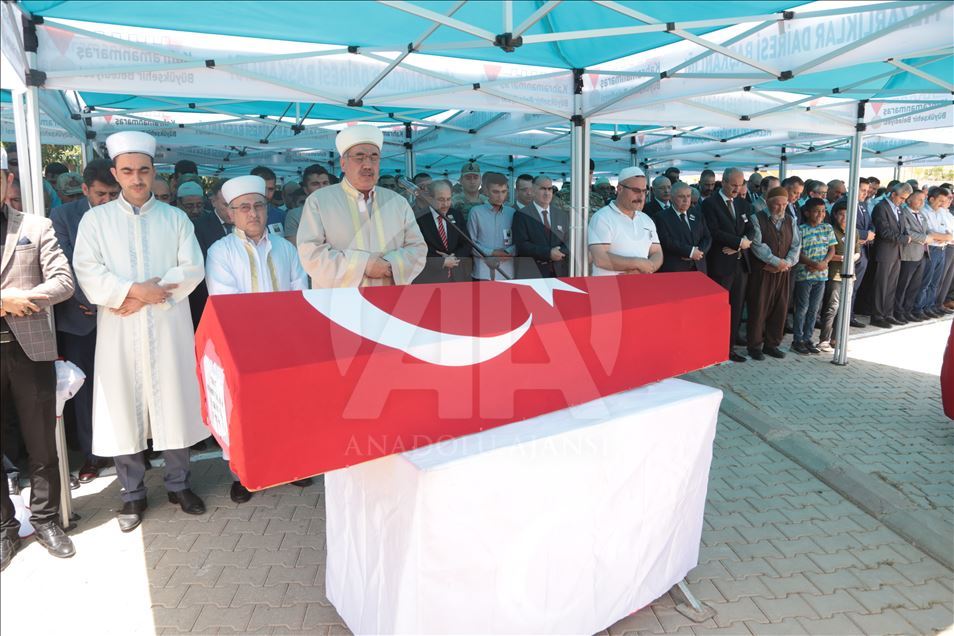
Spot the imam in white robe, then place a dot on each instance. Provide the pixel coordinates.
(145, 382)
(237, 265)
(340, 230)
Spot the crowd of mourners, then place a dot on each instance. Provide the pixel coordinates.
(127, 260)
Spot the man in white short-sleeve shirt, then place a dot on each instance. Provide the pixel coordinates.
(622, 238)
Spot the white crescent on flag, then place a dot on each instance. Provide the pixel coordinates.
(349, 309)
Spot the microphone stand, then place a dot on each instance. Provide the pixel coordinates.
(491, 261)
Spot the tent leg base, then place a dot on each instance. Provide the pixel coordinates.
(693, 609)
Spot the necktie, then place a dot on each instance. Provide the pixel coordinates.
(228, 228)
(546, 220)
(731, 208)
(685, 219)
(442, 230)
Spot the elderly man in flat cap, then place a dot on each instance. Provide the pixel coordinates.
(137, 259)
(776, 245)
(353, 234)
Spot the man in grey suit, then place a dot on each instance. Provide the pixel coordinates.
(34, 275)
(890, 238)
(76, 317)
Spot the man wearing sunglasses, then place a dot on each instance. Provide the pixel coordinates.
(622, 238)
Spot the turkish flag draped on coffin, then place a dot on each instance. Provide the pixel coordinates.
(296, 384)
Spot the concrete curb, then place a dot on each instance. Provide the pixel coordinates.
(923, 529)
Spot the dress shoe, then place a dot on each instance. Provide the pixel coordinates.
(931, 312)
(8, 547)
(734, 357)
(894, 320)
(881, 322)
(812, 348)
(800, 348)
(857, 324)
(775, 352)
(302, 482)
(917, 316)
(188, 501)
(825, 347)
(74, 482)
(949, 304)
(239, 493)
(944, 310)
(756, 354)
(52, 537)
(88, 472)
(130, 515)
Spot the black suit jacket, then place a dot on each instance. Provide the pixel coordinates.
(534, 246)
(677, 240)
(653, 208)
(727, 232)
(889, 234)
(208, 230)
(70, 318)
(434, 271)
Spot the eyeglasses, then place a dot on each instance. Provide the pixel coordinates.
(361, 157)
(632, 189)
(198, 205)
(245, 208)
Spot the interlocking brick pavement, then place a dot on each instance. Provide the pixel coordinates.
(782, 553)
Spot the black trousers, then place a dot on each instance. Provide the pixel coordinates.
(861, 266)
(909, 286)
(81, 351)
(885, 286)
(31, 386)
(735, 284)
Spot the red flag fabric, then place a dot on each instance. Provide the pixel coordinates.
(299, 383)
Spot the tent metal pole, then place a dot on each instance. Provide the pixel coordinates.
(897, 170)
(85, 153)
(513, 179)
(408, 153)
(843, 318)
(23, 152)
(579, 180)
(633, 153)
(34, 146)
(783, 166)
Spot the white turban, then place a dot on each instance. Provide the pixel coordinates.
(237, 186)
(631, 171)
(130, 141)
(359, 134)
(189, 189)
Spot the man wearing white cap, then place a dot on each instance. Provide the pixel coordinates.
(353, 234)
(137, 259)
(622, 238)
(250, 260)
(190, 199)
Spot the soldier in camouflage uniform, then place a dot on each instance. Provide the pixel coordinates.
(597, 198)
(470, 190)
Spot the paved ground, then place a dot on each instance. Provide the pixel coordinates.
(783, 552)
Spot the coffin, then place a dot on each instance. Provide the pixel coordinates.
(296, 384)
